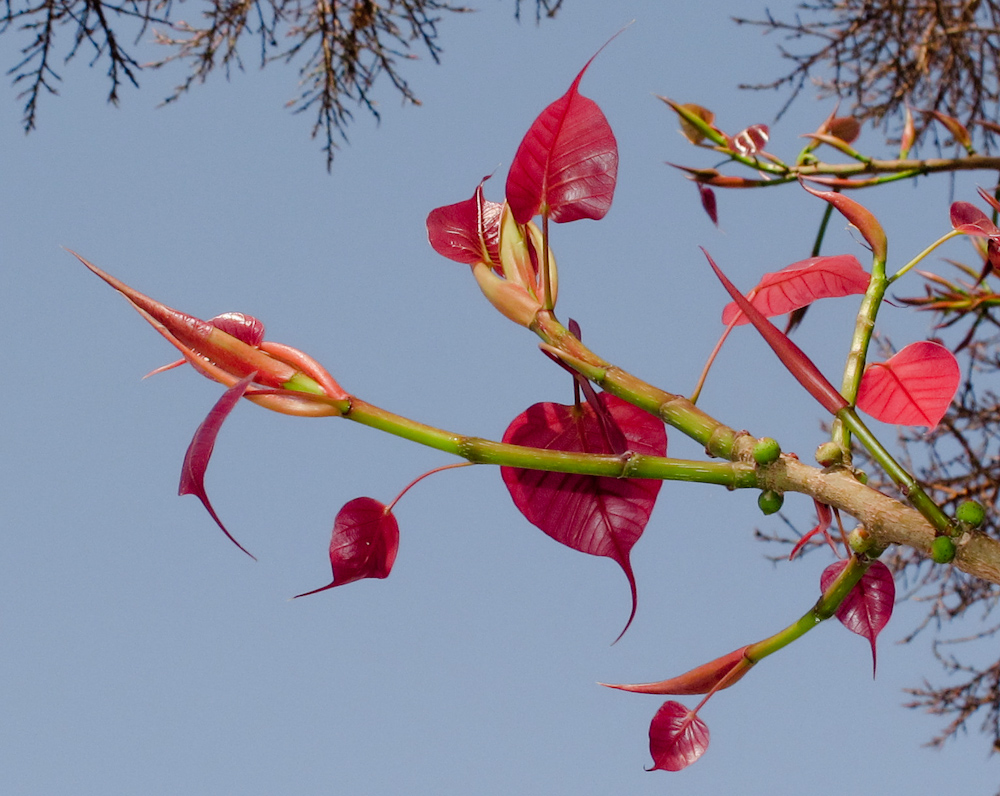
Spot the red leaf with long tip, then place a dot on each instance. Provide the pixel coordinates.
(868, 607)
(677, 737)
(914, 387)
(727, 670)
(802, 283)
(751, 140)
(199, 452)
(791, 356)
(467, 232)
(824, 516)
(597, 515)
(364, 543)
(971, 220)
(567, 164)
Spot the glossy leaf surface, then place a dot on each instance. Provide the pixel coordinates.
(467, 232)
(868, 607)
(718, 674)
(677, 737)
(914, 387)
(364, 543)
(800, 284)
(751, 140)
(199, 452)
(860, 217)
(597, 515)
(567, 163)
(968, 218)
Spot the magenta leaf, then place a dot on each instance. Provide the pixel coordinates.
(567, 164)
(245, 328)
(712, 676)
(824, 516)
(800, 284)
(467, 232)
(971, 220)
(708, 202)
(868, 607)
(912, 388)
(677, 737)
(752, 140)
(364, 543)
(596, 515)
(200, 451)
(792, 357)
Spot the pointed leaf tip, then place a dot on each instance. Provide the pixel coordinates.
(566, 166)
(868, 607)
(597, 515)
(363, 545)
(199, 452)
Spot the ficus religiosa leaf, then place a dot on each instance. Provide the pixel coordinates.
(708, 202)
(199, 452)
(750, 141)
(600, 516)
(567, 164)
(859, 217)
(712, 676)
(800, 284)
(364, 543)
(969, 219)
(914, 387)
(792, 357)
(467, 232)
(677, 737)
(868, 606)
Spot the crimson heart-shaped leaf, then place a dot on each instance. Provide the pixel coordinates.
(868, 606)
(467, 232)
(677, 737)
(800, 284)
(199, 452)
(597, 515)
(914, 387)
(751, 140)
(364, 543)
(567, 164)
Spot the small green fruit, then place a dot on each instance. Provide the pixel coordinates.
(766, 451)
(971, 513)
(943, 550)
(770, 501)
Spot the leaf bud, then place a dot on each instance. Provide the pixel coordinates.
(829, 454)
(943, 550)
(766, 451)
(770, 501)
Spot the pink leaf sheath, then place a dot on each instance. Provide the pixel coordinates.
(199, 452)
(599, 516)
(567, 164)
(869, 605)
(677, 737)
(800, 284)
(914, 387)
(364, 543)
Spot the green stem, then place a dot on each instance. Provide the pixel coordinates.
(923, 254)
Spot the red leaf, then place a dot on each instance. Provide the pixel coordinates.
(792, 357)
(677, 737)
(912, 388)
(859, 217)
(752, 140)
(846, 128)
(824, 516)
(708, 202)
(567, 164)
(720, 673)
(200, 451)
(802, 283)
(364, 543)
(245, 328)
(869, 605)
(467, 232)
(971, 220)
(597, 515)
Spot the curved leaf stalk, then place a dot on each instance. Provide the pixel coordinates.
(954, 233)
(825, 607)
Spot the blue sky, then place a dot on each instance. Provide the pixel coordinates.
(141, 652)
